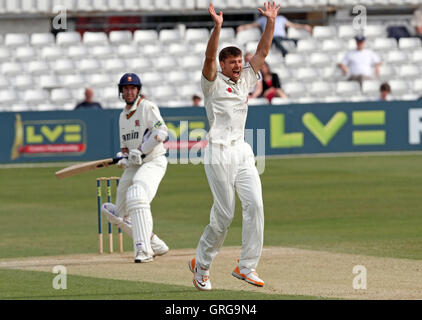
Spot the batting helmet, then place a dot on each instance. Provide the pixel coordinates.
(129, 79)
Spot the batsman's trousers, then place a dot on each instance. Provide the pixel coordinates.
(229, 169)
(148, 175)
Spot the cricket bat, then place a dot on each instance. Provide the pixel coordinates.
(85, 167)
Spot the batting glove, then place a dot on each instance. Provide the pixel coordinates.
(124, 162)
(121, 155)
(135, 157)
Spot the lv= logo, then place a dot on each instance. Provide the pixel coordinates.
(48, 137)
(324, 133)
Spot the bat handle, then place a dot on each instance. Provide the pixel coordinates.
(115, 160)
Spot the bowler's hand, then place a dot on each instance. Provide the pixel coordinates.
(218, 18)
(271, 10)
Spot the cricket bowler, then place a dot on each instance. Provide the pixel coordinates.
(228, 160)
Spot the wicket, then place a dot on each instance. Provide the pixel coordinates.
(110, 227)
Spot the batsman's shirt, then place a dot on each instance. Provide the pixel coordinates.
(136, 125)
(226, 104)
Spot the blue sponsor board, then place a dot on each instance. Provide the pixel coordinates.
(57, 136)
(287, 129)
(343, 127)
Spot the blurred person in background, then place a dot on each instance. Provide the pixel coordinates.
(417, 22)
(196, 100)
(88, 103)
(257, 90)
(359, 63)
(385, 91)
(271, 86)
(280, 34)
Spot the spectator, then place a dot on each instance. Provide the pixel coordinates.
(417, 22)
(88, 103)
(385, 91)
(196, 100)
(359, 63)
(257, 90)
(280, 34)
(271, 86)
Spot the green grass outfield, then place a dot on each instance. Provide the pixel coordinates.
(33, 285)
(369, 205)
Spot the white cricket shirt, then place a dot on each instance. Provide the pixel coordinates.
(361, 62)
(136, 125)
(226, 104)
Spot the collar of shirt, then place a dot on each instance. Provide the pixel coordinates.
(228, 80)
(134, 106)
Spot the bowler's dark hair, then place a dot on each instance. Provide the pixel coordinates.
(229, 52)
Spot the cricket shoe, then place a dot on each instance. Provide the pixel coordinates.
(141, 256)
(249, 275)
(201, 277)
(158, 246)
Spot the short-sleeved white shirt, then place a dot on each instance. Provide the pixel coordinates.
(226, 105)
(361, 62)
(279, 27)
(136, 124)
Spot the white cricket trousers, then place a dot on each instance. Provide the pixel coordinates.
(229, 169)
(148, 175)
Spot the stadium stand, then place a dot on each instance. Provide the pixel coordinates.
(13, 40)
(41, 69)
(23, 82)
(371, 87)
(40, 40)
(68, 38)
(87, 6)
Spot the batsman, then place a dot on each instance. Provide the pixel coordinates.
(142, 132)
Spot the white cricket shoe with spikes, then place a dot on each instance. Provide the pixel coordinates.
(201, 277)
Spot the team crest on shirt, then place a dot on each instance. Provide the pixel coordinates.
(229, 89)
(137, 123)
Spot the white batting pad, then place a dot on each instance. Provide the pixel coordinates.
(140, 214)
(141, 230)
